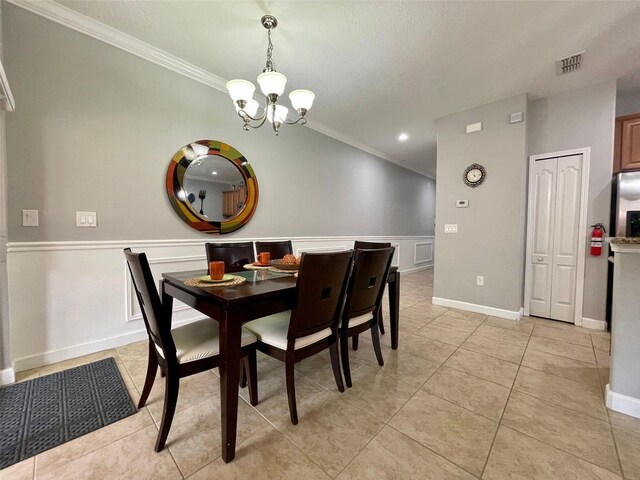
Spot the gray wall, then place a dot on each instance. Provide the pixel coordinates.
(627, 104)
(96, 128)
(582, 118)
(491, 232)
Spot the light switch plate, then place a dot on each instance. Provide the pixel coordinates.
(86, 219)
(450, 228)
(29, 218)
(462, 203)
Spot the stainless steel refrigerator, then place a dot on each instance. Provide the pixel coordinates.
(625, 216)
(626, 195)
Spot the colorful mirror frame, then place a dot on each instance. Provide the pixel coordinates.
(179, 201)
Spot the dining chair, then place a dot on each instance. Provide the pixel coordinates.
(312, 325)
(183, 351)
(363, 301)
(234, 255)
(358, 245)
(276, 249)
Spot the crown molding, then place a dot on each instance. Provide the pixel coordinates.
(74, 20)
(93, 28)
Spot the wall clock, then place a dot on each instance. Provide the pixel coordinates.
(474, 175)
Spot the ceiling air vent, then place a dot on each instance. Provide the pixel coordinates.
(569, 64)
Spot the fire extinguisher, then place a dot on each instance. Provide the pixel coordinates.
(596, 239)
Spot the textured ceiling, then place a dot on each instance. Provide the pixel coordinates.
(379, 68)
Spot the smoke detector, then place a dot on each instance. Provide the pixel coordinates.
(569, 64)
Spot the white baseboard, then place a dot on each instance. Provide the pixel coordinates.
(472, 307)
(54, 356)
(594, 324)
(417, 269)
(622, 403)
(7, 376)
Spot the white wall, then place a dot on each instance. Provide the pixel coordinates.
(578, 119)
(490, 238)
(95, 131)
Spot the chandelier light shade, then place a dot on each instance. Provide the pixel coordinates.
(272, 85)
(302, 99)
(241, 90)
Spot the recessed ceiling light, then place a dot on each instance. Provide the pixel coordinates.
(403, 136)
(214, 173)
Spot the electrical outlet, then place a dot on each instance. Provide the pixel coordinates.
(480, 280)
(450, 228)
(86, 219)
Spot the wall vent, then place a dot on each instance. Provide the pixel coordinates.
(569, 64)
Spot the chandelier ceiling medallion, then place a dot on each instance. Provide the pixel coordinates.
(272, 84)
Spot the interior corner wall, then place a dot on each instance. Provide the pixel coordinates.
(578, 119)
(491, 232)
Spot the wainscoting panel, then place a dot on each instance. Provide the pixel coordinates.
(74, 298)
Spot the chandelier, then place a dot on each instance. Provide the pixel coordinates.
(272, 84)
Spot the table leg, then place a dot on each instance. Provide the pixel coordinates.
(229, 368)
(394, 309)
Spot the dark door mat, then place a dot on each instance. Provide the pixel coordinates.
(45, 412)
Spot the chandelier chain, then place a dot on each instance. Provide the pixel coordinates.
(270, 67)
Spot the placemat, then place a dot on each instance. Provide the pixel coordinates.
(277, 270)
(196, 282)
(42, 413)
(251, 266)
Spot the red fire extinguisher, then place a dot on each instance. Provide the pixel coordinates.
(596, 239)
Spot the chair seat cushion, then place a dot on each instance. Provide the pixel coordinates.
(273, 330)
(198, 340)
(355, 321)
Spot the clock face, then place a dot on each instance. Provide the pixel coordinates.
(474, 175)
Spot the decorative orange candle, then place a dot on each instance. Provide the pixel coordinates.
(216, 270)
(264, 257)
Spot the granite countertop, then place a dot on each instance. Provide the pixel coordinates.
(625, 241)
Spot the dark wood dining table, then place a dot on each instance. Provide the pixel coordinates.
(263, 293)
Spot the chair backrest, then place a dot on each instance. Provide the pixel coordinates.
(322, 285)
(276, 249)
(234, 255)
(158, 326)
(358, 245)
(367, 282)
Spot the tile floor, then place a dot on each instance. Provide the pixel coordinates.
(466, 396)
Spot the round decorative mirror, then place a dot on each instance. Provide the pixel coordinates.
(212, 187)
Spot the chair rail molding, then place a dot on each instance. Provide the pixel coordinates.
(60, 311)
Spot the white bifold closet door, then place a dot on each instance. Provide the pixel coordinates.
(554, 254)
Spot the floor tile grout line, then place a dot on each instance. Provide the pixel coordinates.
(479, 377)
(506, 404)
(563, 451)
(433, 451)
(615, 444)
(564, 378)
(562, 356)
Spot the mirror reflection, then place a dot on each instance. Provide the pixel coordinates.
(215, 188)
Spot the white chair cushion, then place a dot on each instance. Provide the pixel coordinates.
(200, 339)
(273, 330)
(355, 321)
